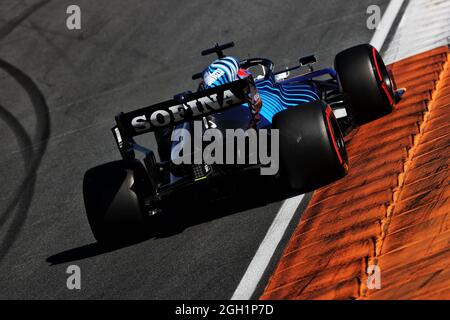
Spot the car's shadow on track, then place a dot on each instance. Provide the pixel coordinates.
(248, 196)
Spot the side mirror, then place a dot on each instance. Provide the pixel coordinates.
(282, 76)
(308, 60)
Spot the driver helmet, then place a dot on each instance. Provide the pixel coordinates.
(223, 70)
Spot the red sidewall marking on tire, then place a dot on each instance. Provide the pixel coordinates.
(391, 101)
(333, 138)
(383, 84)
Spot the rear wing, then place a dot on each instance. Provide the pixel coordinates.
(170, 113)
(189, 107)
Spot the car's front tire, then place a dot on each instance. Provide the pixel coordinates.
(366, 81)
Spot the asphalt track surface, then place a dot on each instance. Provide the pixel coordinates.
(59, 92)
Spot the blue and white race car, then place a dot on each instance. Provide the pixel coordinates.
(304, 118)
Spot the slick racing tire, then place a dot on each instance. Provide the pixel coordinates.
(312, 148)
(112, 200)
(366, 81)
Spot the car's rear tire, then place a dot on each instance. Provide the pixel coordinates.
(366, 81)
(312, 148)
(112, 200)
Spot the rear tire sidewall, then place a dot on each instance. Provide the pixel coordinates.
(112, 200)
(312, 149)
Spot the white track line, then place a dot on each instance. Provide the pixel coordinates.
(424, 26)
(386, 23)
(266, 250)
(264, 254)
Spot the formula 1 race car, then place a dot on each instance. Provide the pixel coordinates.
(305, 118)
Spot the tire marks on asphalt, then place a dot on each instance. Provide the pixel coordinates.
(16, 21)
(23, 195)
(21, 199)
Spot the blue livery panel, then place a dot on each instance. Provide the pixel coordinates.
(277, 97)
